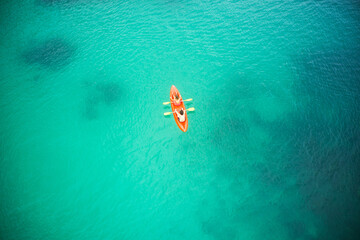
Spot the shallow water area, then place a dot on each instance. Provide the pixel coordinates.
(272, 149)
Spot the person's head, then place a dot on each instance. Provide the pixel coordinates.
(181, 112)
(177, 97)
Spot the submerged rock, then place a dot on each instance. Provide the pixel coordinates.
(54, 54)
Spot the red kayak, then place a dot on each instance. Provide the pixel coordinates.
(178, 104)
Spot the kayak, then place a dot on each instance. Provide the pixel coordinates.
(178, 106)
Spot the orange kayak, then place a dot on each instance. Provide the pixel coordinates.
(178, 105)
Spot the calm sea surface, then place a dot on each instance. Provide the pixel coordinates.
(272, 150)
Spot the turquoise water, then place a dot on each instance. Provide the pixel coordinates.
(272, 150)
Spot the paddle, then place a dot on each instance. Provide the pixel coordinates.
(189, 109)
(186, 100)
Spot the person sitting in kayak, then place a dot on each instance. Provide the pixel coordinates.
(177, 101)
(180, 115)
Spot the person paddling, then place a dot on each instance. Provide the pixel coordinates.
(177, 100)
(180, 115)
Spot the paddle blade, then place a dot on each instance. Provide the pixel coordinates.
(166, 103)
(191, 109)
(188, 100)
(167, 113)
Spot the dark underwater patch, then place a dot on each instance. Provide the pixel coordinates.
(52, 54)
(109, 91)
(324, 138)
(312, 155)
(328, 169)
(100, 94)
